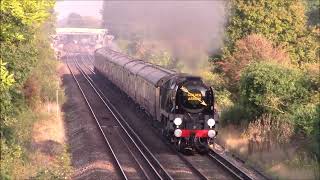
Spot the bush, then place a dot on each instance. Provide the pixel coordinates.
(307, 123)
(47, 79)
(60, 169)
(6, 82)
(268, 132)
(306, 118)
(10, 158)
(270, 88)
(223, 99)
(31, 91)
(250, 49)
(236, 114)
(284, 93)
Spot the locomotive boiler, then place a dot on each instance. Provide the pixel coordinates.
(181, 104)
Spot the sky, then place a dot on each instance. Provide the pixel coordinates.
(82, 7)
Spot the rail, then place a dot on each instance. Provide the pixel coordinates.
(94, 116)
(145, 152)
(226, 164)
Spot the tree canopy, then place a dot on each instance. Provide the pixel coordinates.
(25, 45)
(283, 22)
(20, 18)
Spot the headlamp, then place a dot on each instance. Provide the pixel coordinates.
(177, 121)
(177, 133)
(211, 122)
(211, 133)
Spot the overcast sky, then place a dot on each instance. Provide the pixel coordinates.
(84, 8)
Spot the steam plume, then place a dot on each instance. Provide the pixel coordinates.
(189, 29)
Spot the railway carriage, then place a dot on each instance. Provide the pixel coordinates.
(182, 104)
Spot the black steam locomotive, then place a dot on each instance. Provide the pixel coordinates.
(182, 104)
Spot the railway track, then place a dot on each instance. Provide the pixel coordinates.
(143, 164)
(236, 172)
(195, 171)
(229, 166)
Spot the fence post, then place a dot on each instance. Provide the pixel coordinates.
(57, 100)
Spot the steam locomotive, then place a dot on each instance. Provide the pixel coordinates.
(181, 104)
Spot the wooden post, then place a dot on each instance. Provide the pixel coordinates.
(57, 100)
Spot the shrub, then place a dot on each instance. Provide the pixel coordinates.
(284, 93)
(268, 132)
(47, 79)
(31, 91)
(6, 82)
(250, 49)
(270, 88)
(10, 156)
(213, 79)
(223, 99)
(307, 123)
(60, 169)
(236, 114)
(306, 117)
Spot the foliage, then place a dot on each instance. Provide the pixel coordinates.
(236, 114)
(25, 47)
(13, 145)
(20, 20)
(305, 117)
(148, 51)
(250, 49)
(60, 170)
(20, 17)
(282, 22)
(283, 92)
(313, 12)
(135, 46)
(21, 58)
(77, 21)
(307, 122)
(269, 131)
(123, 45)
(7, 80)
(161, 58)
(10, 157)
(270, 88)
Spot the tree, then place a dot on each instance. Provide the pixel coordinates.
(250, 49)
(75, 20)
(20, 18)
(286, 93)
(20, 22)
(283, 22)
